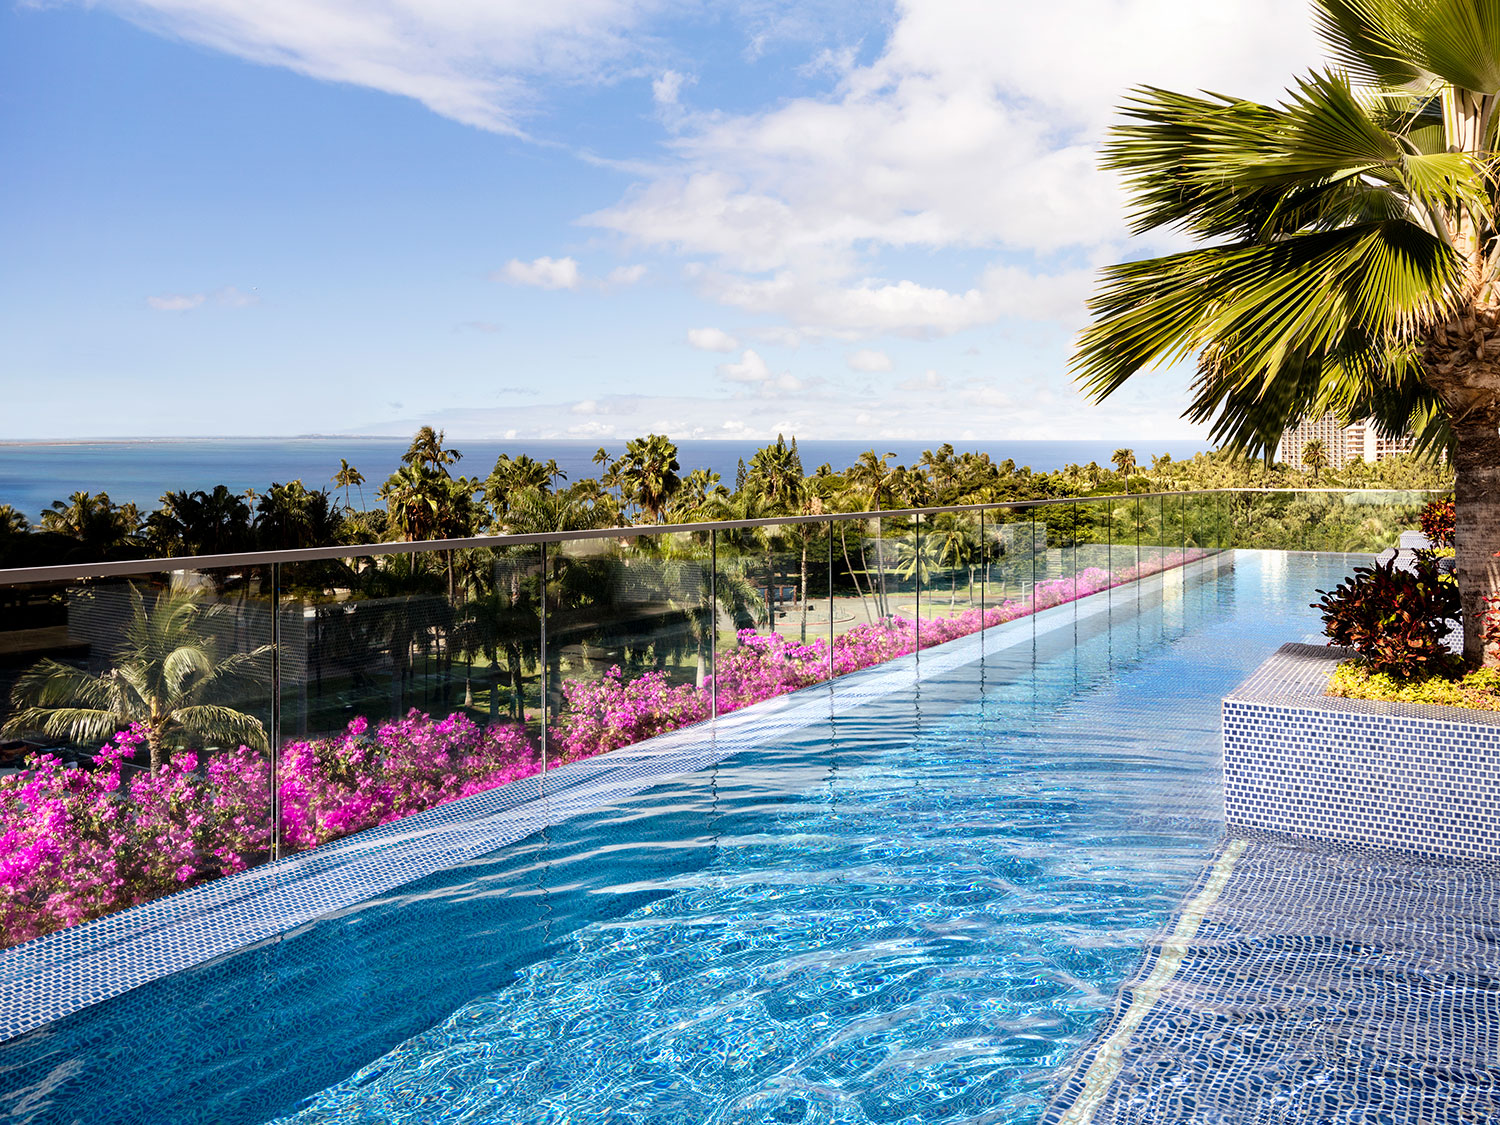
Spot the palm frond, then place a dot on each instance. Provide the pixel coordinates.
(207, 722)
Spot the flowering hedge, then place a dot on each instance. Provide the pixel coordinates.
(78, 843)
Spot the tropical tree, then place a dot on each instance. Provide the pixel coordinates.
(1315, 457)
(775, 475)
(955, 545)
(348, 476)
(1124, 462)
(101, 527)
(697, 487)
(199, 523)
(516, 474)
(169, 674)
(647, 474)
(291, 516)
(1347, 255)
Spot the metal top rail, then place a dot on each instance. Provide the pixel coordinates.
(127, 567)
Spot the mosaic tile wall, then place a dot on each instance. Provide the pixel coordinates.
(1389, 775)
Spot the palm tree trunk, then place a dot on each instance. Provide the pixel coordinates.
(849, 566)
(1476, 496)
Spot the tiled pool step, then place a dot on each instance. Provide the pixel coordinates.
(61, 973)
(1315, 984)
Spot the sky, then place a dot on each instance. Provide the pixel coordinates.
(582, 218)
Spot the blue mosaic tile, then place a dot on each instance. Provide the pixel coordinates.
(1322, 984)
(1393, 775)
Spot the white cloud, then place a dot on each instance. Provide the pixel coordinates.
(961, 135)
(666, 89)
(868, 360)
(543, 273)
(984, 394)
(586, 406)
(712, 340)
(176, 302)
(228, 296)
(750, 369)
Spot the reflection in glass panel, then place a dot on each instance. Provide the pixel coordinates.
(952, 582)
(135, 716)
(630, 636)
(407, 680)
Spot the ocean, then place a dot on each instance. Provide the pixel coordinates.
(34, 474)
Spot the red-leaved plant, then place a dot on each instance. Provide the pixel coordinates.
(1436, 522)
(1395, 619)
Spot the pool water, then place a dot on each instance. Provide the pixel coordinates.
(915, 910)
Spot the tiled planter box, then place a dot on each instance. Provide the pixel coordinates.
(1389, 775)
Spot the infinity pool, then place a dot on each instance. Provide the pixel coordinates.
(911, 910)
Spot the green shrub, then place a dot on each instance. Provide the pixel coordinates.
(1353, 679)
(1395, 619)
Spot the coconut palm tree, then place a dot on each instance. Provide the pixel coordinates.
(169, 674)
(102, 527)
(955, 545)
(1348, 256)
(775, 475)
(1124, 463)
(1315, 457)
(348, 476)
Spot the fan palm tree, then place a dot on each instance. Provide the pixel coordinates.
(169, 675)
(647, 474)
(1347, 255)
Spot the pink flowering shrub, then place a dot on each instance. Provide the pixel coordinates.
(78, 843)
(607, 713)
(331, 787)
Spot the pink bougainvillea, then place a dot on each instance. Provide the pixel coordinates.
(77, 843)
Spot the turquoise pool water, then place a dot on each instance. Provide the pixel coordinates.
(915, 910)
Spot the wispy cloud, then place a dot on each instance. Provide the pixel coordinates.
(227, 296)
(564, 273)
(478, 63)
(176, 302)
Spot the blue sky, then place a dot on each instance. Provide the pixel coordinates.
(590, 218)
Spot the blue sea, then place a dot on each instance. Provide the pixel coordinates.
(34, 474)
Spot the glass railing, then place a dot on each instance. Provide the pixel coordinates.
(166, 723)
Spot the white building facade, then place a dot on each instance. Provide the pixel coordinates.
(1343, 444)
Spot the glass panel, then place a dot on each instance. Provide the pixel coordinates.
(1095, 540)
(855, 603)
(905, 567)
(1009, 563)
(630, 634)
(407, 681)
(133, 734)
(952, 576)
(879, 623)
